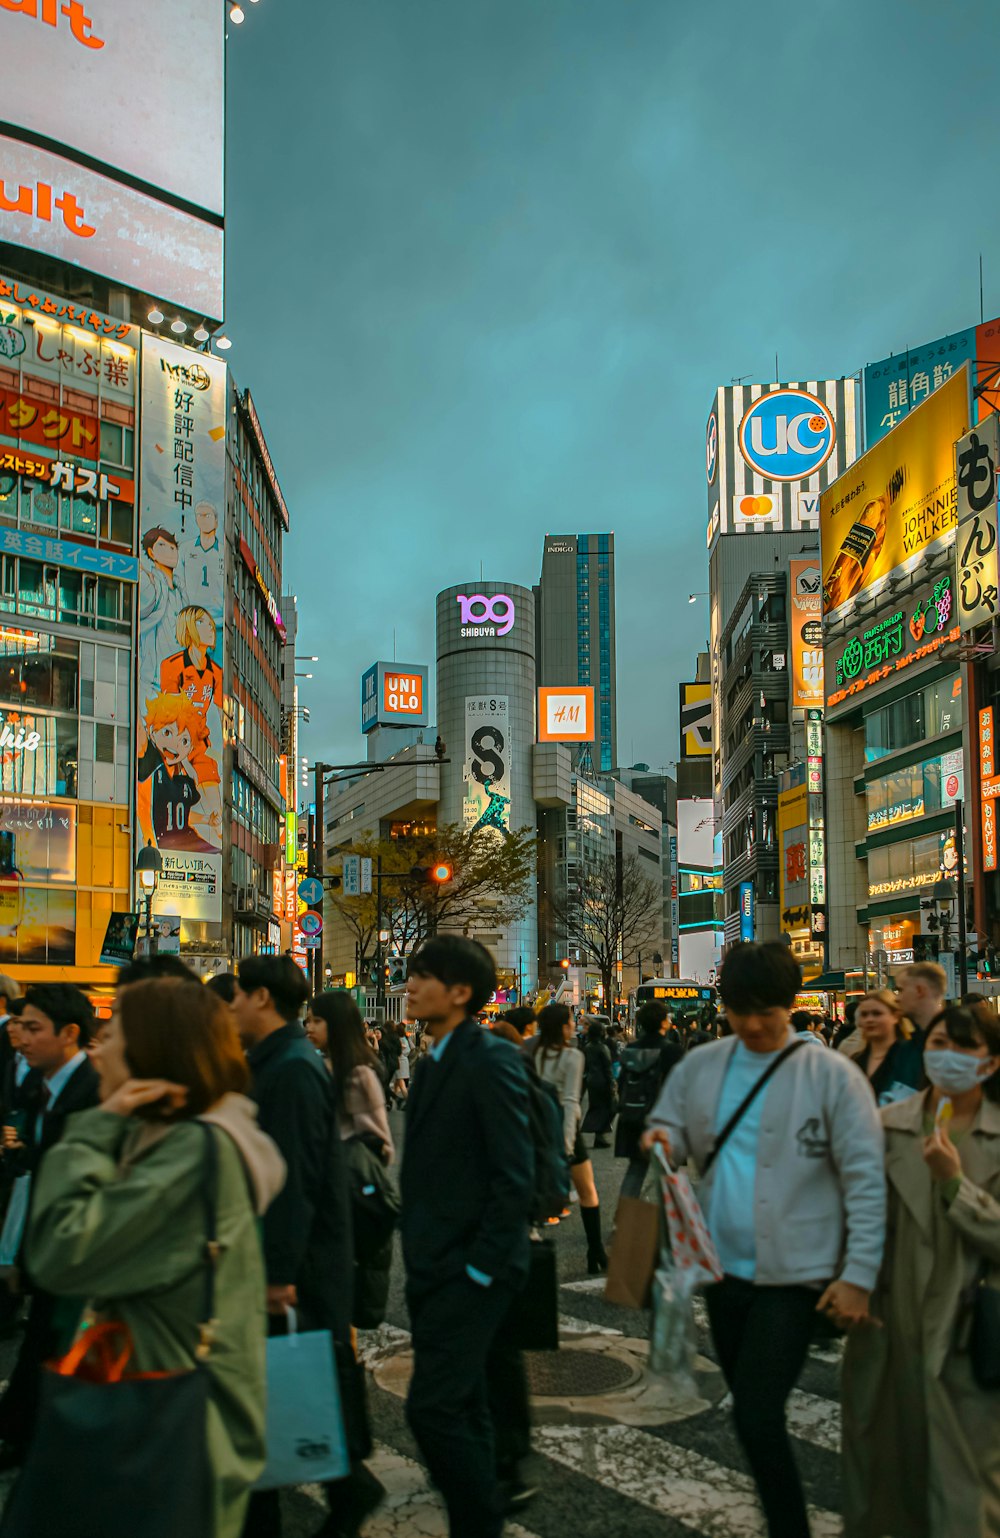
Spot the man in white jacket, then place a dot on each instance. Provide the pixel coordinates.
(789, 1145)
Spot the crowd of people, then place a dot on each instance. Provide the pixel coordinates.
(238, 1134)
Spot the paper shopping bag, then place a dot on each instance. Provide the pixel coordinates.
(306, 1441)
(635, 1249)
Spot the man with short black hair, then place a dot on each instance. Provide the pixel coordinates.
(57, 1023)
(306, 1231)
(789, 1146)
(467, 1188)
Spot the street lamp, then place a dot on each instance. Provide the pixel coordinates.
(148, 866)
(693, 597)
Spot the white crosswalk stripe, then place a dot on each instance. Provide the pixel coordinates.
(671, 1480)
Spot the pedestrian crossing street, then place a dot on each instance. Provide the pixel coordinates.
(598, 1477)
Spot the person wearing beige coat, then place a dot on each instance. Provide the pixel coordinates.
(921, 1439)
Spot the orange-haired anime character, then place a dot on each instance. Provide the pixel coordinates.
(193, 670)
(179, 793)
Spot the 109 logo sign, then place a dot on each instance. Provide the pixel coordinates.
(486, 616)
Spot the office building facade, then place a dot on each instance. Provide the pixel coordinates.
(575, 616)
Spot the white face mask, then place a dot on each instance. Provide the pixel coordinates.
(955, 1072)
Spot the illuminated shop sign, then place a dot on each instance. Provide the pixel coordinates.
(65, 552)
(270, 602)
(394, 694)
(895, 642)
(58, 310)
(482, 616)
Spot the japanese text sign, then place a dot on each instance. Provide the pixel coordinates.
(977, 577)
(566, 714)
(807, 632)
(987, 772)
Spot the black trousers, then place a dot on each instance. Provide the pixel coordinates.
(448, 1404)
(20, 1402)
(762, 1336)
(510, 1406)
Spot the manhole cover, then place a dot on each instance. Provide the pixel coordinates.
(570, 1374)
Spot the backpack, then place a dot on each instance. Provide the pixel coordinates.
(639, 1084)
(545, 1119)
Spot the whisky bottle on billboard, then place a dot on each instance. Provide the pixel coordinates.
(861, 547)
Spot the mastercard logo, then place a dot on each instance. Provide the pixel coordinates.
(757, 507)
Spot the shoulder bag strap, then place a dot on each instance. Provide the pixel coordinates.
(210, 1208)
(745, 1104)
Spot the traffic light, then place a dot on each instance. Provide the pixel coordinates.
(565, 963)
(432, 875)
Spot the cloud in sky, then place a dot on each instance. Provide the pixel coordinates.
(489, 259)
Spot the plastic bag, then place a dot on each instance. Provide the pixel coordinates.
(673, 1341)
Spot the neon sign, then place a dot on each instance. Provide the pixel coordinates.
(895, 642)
(486, 616)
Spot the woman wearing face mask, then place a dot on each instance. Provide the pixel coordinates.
(890, 1058)
(921, 1440)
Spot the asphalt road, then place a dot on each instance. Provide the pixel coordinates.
(615, 1453)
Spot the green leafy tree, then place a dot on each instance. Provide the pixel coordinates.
(491, 884)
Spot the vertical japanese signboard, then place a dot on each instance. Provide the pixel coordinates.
(988, 788)
(976, 458)
(806, 588)
(487, 763)
(181, 624)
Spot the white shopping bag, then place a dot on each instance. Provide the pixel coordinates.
(306, 1442)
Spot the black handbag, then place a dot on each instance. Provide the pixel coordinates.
(982, 1323)
(128, 1451)
(533, 1322)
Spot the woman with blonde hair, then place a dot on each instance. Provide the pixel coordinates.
(193, 670)
(890, 1055)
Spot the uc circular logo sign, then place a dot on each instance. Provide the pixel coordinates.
(712, 447)
(787, 435)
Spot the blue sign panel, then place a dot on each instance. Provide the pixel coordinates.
(311, 891)
(65, 552)
(895, 385)
(746, 910)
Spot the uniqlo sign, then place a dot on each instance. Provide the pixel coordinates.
(566, 715)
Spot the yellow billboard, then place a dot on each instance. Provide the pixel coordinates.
(696, 720)
(896, 500)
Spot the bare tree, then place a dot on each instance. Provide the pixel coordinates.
(613, 913)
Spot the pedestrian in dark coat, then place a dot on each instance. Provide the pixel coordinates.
(57, 1024)
(307, 1230)
(468, 1190)
(599, 1079)
(645, 1065)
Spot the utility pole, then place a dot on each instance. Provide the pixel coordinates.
(318, 841)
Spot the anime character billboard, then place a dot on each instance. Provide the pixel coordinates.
(181, 624)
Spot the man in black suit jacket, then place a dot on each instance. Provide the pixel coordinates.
(467, 1189)
(57, 1023)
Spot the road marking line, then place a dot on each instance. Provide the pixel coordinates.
(411, 1505)
(708, 1497)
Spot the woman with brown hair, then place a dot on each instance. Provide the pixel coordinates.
(921, 1429)
(119, 1214)
(890, 1055)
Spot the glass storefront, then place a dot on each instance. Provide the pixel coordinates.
(915, 791)
(910, 865)
(64, 595)
(928, 712)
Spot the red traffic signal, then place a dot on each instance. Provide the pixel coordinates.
(565, 963)
(433, 875)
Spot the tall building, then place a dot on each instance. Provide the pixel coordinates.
(140, 520)
(257, 519)
(575, 625)
(770, 451)
(696, 852)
